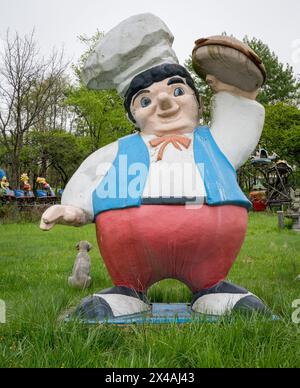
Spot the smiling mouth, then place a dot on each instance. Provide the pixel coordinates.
(169, 118)
(169, 121)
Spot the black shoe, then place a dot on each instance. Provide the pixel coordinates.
(112, 303)
(225, 298)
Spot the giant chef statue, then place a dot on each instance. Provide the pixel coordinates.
(165, 200)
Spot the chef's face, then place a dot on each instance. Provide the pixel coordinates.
(166, 107)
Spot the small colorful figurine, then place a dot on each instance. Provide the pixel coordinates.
(45, 186)
(25, 185)
(5, 190)
(4, 185)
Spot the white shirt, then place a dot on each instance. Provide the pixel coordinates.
(176, 176)
(237, 124)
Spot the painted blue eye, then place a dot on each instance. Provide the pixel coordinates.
(179, 92)
(145, 102)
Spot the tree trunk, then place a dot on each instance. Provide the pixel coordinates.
(16, 171)
(43, 169)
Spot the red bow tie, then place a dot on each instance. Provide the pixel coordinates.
(164, 141)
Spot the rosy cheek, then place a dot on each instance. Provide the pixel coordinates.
(144, 114)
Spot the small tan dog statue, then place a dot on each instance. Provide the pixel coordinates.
(81, 271)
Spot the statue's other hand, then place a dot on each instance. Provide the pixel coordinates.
(229, 65)
(66, 215)
(219, 86)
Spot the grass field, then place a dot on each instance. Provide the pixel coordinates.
(34, 268)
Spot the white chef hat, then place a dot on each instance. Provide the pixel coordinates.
(137, 44)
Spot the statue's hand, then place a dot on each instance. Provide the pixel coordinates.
(66, 215)
(219, 86)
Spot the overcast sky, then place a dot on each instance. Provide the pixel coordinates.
(58, 22)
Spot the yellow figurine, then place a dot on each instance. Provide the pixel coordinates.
(25, 182)
(4, 184)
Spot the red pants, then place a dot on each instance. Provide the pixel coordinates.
(141, 246)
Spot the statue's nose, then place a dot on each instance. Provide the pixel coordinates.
(167, 107)
(165, 102)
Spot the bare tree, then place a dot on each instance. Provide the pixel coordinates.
(28, 85)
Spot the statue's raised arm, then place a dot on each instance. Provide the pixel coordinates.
(235, 73)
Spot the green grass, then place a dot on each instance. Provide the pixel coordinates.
(34, 268)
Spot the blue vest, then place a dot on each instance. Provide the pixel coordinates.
(124, 184)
